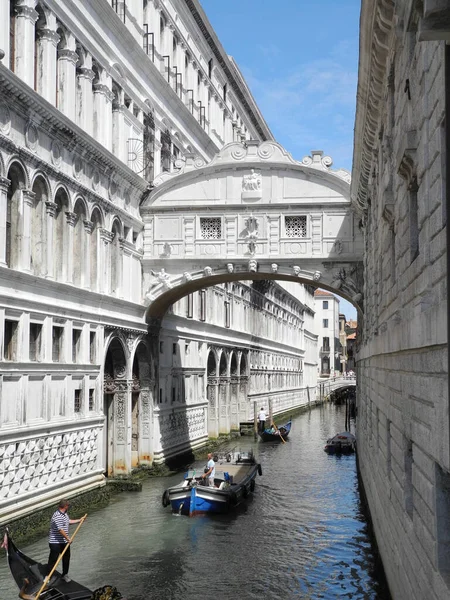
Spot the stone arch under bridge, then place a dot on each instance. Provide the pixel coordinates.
(253, 212)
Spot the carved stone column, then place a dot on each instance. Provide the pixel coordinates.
(47, 56)
(103, 98)
(119, 141)
(28, 198)
(26, 18)
(104, 271)
(85, 272)
(85, 98)
(234, 404)
(52, 209)
(71, 221)
(67, 60)
(4, 185)
(212, 395)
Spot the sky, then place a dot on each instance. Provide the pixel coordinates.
(300, 61)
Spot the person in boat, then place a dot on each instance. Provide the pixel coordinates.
(58, 538)
(210, 470)
(262, 419)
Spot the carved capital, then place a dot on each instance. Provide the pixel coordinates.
(28, 197)
(4, 184)
(88, 226)
(68, 55)
(72, 218)
(51, 208)
(85, 73)
(26, 12)
(48, 35)
(106, 236)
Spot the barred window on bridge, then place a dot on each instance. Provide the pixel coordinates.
(295, 227)
(210, 228)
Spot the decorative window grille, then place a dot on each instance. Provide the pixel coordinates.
(77, 401)
(295, 227)
(91, 399)
(211, 228)
(120, 7)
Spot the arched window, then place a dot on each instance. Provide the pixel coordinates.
(16, 175)
(116, 259)
(39, 228)
(79, 243)
(212, 365)
(60, 237)
(93, 250)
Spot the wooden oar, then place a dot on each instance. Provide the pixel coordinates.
(47, 579)
(279, 433)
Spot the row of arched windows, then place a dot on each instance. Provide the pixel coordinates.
(51, 237)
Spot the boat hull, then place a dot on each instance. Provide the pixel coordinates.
(278, 435)
(232, 486)
(341, 443)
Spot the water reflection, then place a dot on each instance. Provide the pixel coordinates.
(303, 534)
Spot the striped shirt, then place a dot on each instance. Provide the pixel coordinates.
(59, 521)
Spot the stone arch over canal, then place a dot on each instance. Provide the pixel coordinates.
(252, 213)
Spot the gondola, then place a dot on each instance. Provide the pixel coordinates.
(29, 576)
(234, 481)
(276, 434)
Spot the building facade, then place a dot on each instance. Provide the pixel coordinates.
(96, 100)
(400, 185)
(327, 327)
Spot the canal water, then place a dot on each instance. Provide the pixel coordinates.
(304, 533)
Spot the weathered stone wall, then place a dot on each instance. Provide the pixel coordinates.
(399, 187)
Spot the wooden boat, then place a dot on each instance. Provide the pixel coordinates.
(276, 434)
(341, 443)
(29, 576)
(234, 481)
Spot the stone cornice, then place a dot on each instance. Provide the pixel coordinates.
(377, 19)
(93, 196)
(57, 124)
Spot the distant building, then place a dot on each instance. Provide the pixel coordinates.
(327, 328)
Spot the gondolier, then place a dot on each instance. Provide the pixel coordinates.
(262, 419)
(58, 538)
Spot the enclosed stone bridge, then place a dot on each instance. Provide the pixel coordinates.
(252, 213)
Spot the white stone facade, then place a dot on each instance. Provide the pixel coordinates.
(326, 308)
(400, 187)
(97, 100)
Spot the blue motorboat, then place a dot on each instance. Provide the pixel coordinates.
(234, 481)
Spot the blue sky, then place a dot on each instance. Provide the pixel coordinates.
(300, 60)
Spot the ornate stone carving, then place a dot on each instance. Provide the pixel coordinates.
(207, 271)
(56, 153)
(5, 119)
(31, 136)
(161, 277)
(252, 265)
(274, 268)
(252, 186)
(71, 218)
(230, 268)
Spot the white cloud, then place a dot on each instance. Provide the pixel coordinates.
(311, 107)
